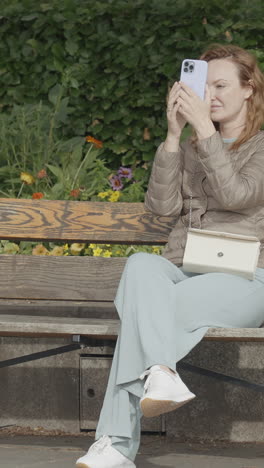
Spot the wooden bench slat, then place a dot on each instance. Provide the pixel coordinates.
(60, 278)
(99, 222)
(16, 325)
(58, 308)
(24, 325)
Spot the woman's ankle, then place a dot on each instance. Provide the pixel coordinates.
(168, 369)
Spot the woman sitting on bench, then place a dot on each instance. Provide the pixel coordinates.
(164, 310)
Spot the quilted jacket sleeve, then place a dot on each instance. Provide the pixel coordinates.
(163, 196)
(232, 188)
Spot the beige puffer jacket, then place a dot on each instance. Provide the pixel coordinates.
(228, 190)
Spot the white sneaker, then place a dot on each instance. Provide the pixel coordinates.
(163, 392)
(102, 455)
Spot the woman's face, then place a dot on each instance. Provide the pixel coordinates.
(228, 97)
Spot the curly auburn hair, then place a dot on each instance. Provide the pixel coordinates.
(249, 75)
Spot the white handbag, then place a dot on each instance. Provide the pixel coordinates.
(213, 251)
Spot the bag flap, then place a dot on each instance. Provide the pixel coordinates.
(229, 235)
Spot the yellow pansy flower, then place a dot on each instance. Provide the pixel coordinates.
(76, 248)
(114, 197)
(97, 252)
(92, 246)
(40, 250)
(57, 251)
(107, 253)
(102, 194)
(156, 250)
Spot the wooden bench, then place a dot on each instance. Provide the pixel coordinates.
(32, 286)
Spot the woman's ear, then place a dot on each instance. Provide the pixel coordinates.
(249, 89)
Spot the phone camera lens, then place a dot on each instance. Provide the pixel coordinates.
(186, 69)
(186, 64)
(191, 67)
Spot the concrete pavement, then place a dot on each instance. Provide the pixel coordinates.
(18, 451)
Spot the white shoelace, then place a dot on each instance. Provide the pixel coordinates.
(101, 444)
(145, 374)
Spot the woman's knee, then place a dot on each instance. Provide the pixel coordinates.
(142, 260)
(143, 263)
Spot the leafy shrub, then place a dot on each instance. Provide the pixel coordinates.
(35, 162)
(114, 60)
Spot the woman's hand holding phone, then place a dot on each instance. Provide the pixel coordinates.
(176, 122)
(185, 106)
(195, 110)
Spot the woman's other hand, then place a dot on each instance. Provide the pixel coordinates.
(176, 121)
(196, 111)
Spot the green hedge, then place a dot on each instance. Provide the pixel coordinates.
(114, 60)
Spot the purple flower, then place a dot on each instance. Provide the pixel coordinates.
(116, 183)
(125, 172)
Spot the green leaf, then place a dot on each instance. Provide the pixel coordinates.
(62, 111)
(46, 7)
(57, 190)
(147, 156)
(55, 94)
(74, 83)
(56, 171)
(150, 40)
(186, 133)
(212, 31)
(129, 159)
(33, 43)
(29, 17)
(71, 47)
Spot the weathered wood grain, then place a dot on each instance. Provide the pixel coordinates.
(16, 325)
(59, 308)
(100, 222)
(60, 278)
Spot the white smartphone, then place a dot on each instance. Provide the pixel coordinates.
(194, 74)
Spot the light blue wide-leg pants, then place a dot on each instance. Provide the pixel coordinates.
(164, 313)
